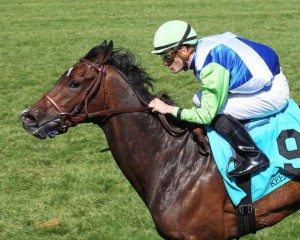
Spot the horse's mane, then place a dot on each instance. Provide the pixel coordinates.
(130, 66)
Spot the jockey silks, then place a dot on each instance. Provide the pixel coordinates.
(251, 65)
(231, 67)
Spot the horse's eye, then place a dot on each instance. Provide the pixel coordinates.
(74, 84)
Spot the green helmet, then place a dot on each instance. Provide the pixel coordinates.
(173, 33)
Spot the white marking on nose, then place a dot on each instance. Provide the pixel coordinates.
(69, 71)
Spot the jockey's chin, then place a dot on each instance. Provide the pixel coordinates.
(175, 68)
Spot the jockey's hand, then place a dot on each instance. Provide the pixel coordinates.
(159, 106)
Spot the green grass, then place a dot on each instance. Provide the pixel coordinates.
(65, 188)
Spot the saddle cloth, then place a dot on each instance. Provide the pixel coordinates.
(278, 136)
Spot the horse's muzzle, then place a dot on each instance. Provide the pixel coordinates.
(31, 125)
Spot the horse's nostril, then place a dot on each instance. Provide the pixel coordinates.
(28, 119)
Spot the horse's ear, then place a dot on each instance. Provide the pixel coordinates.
(108, 51)
(104, 55)
(104, 44)
(110, 45)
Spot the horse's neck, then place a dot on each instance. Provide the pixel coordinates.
(137, 142)
(143, 149)
(149, 157)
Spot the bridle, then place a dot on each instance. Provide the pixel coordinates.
(72, 118)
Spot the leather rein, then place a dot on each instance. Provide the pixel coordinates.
(70, 119)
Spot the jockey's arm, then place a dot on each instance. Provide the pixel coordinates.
(215, 79)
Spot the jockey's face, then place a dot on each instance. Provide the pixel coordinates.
(173, 61)
(175, 66)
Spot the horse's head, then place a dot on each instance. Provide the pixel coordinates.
(70, 97)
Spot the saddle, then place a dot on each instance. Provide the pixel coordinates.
(278, 136)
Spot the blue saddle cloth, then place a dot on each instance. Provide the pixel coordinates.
(278, 136)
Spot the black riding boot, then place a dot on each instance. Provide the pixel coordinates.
(235, 133)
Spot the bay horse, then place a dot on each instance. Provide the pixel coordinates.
(182, 188)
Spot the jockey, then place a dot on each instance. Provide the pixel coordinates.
(240, 79)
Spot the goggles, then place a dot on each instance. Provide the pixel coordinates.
(168, 56)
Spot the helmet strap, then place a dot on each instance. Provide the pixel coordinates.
(187, 32)
(182, 56)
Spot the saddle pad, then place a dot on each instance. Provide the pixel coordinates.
(278, 136)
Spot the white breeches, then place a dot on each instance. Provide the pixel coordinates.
(263, 103)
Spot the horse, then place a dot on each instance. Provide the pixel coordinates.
(182, 188)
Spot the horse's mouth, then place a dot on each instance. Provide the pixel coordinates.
(47, 130)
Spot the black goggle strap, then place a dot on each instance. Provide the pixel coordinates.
(187, 32)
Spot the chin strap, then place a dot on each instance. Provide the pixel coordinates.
(185, 65)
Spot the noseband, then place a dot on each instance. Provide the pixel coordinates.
(70, 119)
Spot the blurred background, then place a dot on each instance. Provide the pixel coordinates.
(66, 188)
